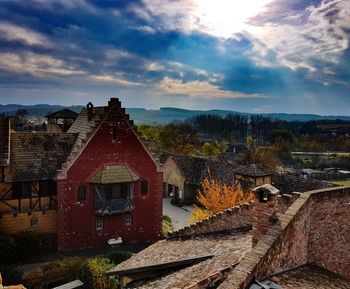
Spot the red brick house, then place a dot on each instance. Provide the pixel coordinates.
(109, 187)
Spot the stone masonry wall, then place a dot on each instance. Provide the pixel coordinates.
(329, 235)
(314, 229)
(234, 218)
(282, 248)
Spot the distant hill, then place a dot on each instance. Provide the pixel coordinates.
(164, 114)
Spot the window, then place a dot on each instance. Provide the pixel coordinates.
(82, 193)
(144, 188)
(21, 190)
(128, 220)
(99, 224)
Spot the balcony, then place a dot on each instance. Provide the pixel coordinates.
(114, 198)
(113, 206)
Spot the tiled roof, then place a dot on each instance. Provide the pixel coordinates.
(253, 170)
(38, 156)
(63, 113)
(310, 277)
(288, 183)
(227, 249)
(114, 174)
(195, 169)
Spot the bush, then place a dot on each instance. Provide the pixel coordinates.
(167, 225)
(59, 272)
(7, 249)
(118, 256)
(11, 274)
(94, 277)
(15, 248)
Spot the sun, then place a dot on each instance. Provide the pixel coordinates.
(224, 18)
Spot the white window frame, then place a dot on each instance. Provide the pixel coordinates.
(128, 220)
(99, 224)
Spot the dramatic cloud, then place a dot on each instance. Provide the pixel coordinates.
(11, 32)
(252, 55)
(199, 89)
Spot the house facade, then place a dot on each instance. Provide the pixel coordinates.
(28, 165)
(109, 187)
(91, 184)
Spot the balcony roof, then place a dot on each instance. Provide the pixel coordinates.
(114, 174)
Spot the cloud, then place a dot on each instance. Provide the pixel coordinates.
(37, 65)
(200, 89)
(317, 34)
(12, 32)
(113, 79)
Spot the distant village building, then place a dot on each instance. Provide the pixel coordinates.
(184, 175)
(95, 183)
(61, 121)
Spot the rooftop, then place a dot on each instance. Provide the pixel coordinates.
(226, 250)
(38, 156)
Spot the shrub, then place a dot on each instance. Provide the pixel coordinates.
(118, 256)
(65, 270)
(15, 248)
(7, 249)
(11, 274)
(93, 274)
(167, 225)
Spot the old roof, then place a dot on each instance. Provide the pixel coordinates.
(227, 249)
(288, 183)
(195, 169)
(267, 187)
(114, 174)
(310, 277)
(38, 156)
(253, 170)
(63, 113)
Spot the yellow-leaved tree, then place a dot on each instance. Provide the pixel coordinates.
(215, 197)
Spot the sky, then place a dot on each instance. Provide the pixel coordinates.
(253, 55)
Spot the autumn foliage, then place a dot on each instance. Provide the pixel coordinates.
(215, 197)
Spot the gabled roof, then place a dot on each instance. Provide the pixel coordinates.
(195, 169)
(114, 174)
(226, 250)
(253, 170)
(38, 156)
(63, 113)
(87, 124)
(288, 183)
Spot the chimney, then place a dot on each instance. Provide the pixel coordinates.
(114, 102)
(90, 110)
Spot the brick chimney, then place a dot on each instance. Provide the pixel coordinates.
(113, 101)
(90, 110)
(269, 203)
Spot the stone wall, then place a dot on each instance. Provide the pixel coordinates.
(329, 235)
(314, 229)
(235, 218)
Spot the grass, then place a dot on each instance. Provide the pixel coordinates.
(167, 225)
(340, 182)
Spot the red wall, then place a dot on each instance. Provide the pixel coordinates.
(77, 221)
